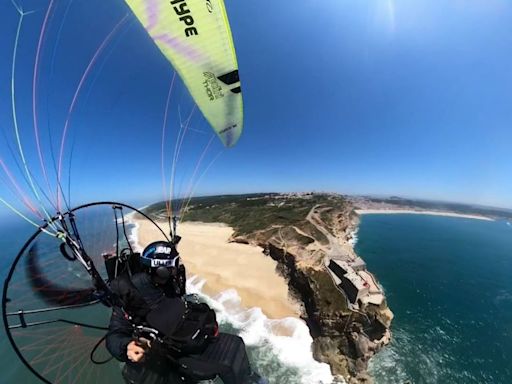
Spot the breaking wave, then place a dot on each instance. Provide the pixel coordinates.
(280, 349)
(353, 237)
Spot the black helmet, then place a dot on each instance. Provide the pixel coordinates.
(162, 259)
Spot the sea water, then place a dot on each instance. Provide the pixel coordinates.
(279, 349)
(449, 283)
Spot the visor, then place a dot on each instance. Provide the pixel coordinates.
(154, 263)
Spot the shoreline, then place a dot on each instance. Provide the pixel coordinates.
(414, 212)
(207, 253)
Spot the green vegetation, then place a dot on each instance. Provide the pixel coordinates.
(313, 231)
(251, 213)
(289, 236)
(331, 300)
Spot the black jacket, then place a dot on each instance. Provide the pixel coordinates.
(120, 329)
(154, 369)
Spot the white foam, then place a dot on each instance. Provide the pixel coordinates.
(287, 339)
(353, 237)
(133, 237)
(133, 231)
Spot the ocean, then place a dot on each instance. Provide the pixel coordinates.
(449, 283)
(279, 350)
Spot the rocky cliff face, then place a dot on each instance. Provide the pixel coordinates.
(344, 337)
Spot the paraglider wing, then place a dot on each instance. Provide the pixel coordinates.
(194, 35)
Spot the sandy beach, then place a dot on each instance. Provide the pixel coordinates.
(405, 211)
(207, 253)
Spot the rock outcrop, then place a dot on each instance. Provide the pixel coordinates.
(345, 336)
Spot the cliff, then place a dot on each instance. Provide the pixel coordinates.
(309, 236)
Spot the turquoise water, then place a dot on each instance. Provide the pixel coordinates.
(449, 283)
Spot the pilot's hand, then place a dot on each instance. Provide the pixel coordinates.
(135, 352)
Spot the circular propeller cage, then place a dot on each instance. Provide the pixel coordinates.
(54, 314)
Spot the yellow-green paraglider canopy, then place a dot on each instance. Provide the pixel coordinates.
(194, 35)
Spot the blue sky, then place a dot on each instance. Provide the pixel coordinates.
(385, 97)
